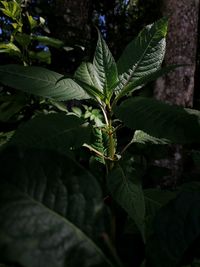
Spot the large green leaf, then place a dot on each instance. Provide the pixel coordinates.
(53, 131)
(144, 55)
(176, 227)
(50, 210)
(127, 191)
(86, 76)
(155, 199)
(141, 81)
(105, 66)
(42, 82)
(159, 119)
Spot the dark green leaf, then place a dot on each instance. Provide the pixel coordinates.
(127, 191)
(155, 199)
(176, 227)
(48, 41)
(144, 138)
(159, 119)
(144, 55)
(10, 105)
(141, 81)
(41, 56)
(53, 131)
(42, 82)
(23, 39)
(50, 210)
(98, 144)
(105, 66)
(87, 74)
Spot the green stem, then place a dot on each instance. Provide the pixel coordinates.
(111, 140)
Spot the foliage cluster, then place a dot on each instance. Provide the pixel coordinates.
(59, 204)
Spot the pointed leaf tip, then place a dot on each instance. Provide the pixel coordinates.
(105, 66)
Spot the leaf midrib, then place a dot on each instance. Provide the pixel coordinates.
(30, 77)
(136, 65)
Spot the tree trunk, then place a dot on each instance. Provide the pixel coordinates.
(69, 23)
(70, 20)
(178, 86)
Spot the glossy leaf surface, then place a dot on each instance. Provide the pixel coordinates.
(105, 66)
(41, 82)
(144, 55)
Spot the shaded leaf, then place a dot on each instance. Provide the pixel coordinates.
(50, 208)
(41, 56)
(156, 198)
(127, 191)
(159, 119)
(176, 227)
(53, 131)
(42, 82)
(10, 105)
(48, 41)
(144, 138)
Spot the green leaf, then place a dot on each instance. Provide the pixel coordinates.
(51, 212)
(4, 137)
(105, 66)
(144, 138)
(86, 76)
(141, 81)
(155, 199)
(98, 144)
(144, 55)
(53, 131)
(10, 105)
(10, 48)
(127, 191)
(176, 227)
(11, 9)
(41, 56)
(41, 82)
(23, 39)
(32, 22)
(159, 119)
(48, 41)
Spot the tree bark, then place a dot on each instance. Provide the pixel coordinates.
(178, 86)
(70, 22)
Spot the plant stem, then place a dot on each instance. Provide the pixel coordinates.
(111, 141)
